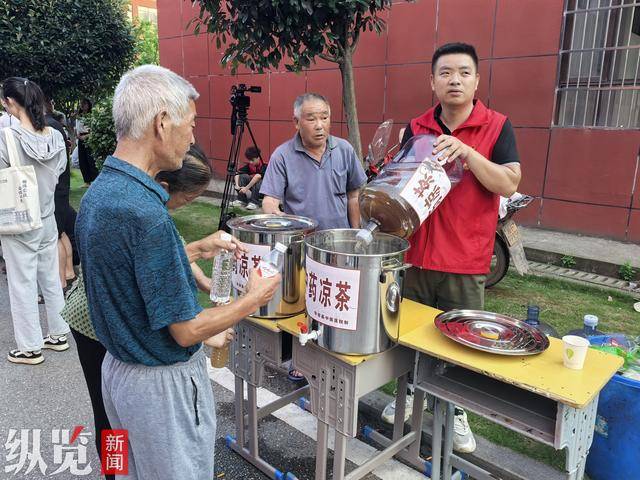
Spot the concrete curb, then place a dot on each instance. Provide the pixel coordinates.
(589, 265)
(597, 255)
(502, 462)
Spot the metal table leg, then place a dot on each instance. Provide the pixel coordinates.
(339, 455)
(239, 408)
(252, 348)
(416, 422)
(439, 415)
(252, 414)
(321, 450)
(401, 401)
(409, 450)
(448, 440)
(575, 433)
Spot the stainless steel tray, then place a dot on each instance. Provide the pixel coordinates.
(492, 332)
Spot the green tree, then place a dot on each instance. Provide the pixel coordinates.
(260, 34)
(102, 140)
(72, 48)
(146, 34)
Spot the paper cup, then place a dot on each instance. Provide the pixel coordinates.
(574, 351)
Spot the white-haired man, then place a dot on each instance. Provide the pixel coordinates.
(140, 290)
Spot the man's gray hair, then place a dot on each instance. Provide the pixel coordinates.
(306, 97)
(146, 91)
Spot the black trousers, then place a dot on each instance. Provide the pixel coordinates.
(91, 353)
(86, 162)
(66, 222)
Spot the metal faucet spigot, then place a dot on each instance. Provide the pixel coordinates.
(306, 335)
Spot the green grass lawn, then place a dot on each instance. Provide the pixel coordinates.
(562, 305)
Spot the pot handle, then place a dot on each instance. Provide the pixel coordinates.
(394, 265)
(393, 298)
(295, 240)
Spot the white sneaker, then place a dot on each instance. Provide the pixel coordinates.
(238, 203)
(252, 206)
(27, 358)
(389, 412)
(463, 439)
(58, 343)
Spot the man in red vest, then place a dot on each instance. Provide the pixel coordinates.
(451, 252)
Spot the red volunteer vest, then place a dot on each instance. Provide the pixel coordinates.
(458, 236)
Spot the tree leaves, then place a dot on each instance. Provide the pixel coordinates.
(72, 48)
(298, 30)
(102, 140)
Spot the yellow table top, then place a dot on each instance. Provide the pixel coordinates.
(290, 325)
(543, 374)
(271, 325)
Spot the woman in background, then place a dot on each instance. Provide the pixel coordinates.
(31, 258)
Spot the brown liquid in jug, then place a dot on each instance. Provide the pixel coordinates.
(381, 201)
(406, 191)
(388, 208)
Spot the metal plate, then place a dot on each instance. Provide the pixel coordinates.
(273, 223)
(492, 332)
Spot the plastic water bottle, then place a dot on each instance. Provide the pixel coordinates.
(270, 265)
(589, 329)
(533, 319)
(221, 275)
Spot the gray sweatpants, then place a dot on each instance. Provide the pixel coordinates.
(32, 259)
(169, 413)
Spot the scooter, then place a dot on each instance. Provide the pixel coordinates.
(508, 244)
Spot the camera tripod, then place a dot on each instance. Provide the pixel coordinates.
(240, 103)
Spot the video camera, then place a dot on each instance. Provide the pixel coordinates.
(239, 99)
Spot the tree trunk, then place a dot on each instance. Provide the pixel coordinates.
(349, 101)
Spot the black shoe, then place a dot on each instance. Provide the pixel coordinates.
(27, 358)
(56, 342)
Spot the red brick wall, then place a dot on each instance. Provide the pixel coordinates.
(585, 178)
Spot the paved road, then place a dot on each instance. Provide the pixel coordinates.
(53, 395)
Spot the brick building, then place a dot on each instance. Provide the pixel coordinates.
(565, 72)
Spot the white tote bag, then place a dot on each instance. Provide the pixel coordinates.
(19, 201)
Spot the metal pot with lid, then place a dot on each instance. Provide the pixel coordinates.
(354, 291)
(260, 233)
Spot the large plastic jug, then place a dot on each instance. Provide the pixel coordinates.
(589, 328)
(407, 190)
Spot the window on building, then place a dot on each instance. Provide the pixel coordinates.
(598, 82)
(148, 14)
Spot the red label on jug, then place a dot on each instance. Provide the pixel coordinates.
(426, 188)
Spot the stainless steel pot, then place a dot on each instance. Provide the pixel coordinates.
(260, 233)
(380, 268)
